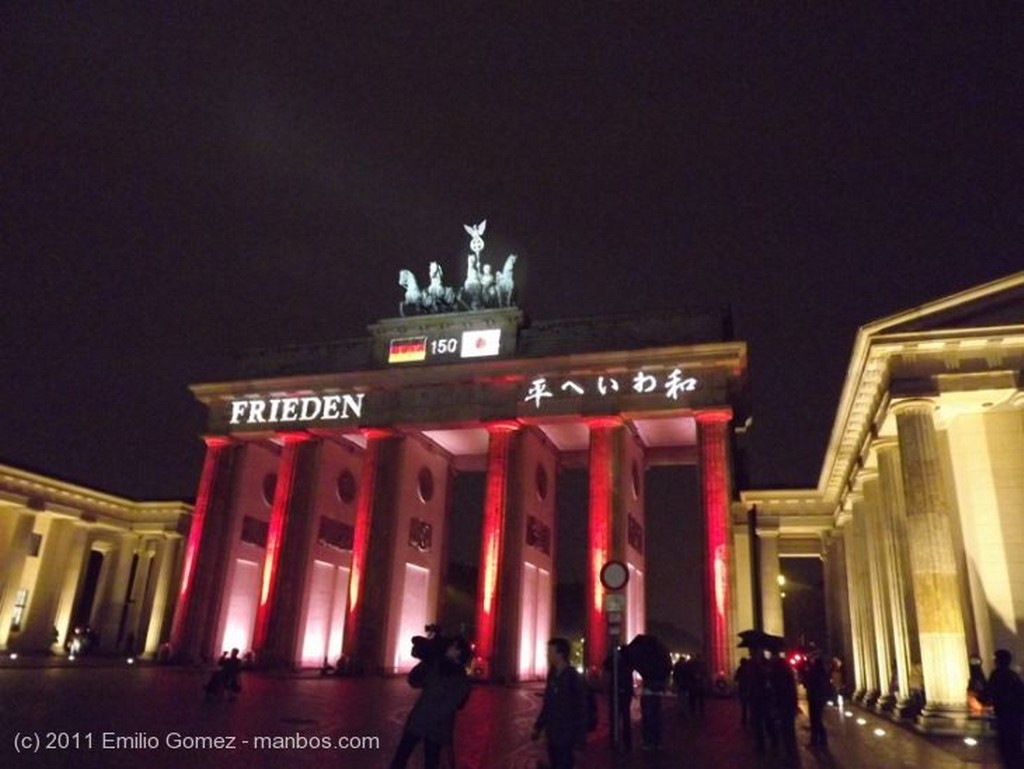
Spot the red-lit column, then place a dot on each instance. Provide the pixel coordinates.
(499, 452)
(365, 504)
(604, 432)
(714, 476)
(284, 495)
(202, 570)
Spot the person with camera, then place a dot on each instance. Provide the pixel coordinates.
(441, 675)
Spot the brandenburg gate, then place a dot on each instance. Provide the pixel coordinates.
(321, 514)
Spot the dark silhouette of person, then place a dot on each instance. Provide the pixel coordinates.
(625, 698)
(650, 711)
(818, 684)
(231, 674)
(743, 682)
(682, 682)
(782, 682)
(761, 720)
(700, 680)
(445, 688)
(444, 685)
(563, 717)
(1005, 693)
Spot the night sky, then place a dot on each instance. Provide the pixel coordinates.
(180, 186)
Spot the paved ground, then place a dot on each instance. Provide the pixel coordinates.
(62, 715)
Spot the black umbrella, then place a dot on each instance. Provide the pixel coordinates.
(758, 639)
(650, 658)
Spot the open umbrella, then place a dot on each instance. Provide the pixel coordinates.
(650, 658)
(758, 639)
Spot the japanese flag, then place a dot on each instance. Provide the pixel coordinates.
(480, 344)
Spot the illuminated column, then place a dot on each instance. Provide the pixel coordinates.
(204, 563)
(878, 578)
(159, 594)
(605, 433)
(837, 600)
(287, 551)
(492, 545)
(936, 583)
(113, 596)
(856, 661)
(864, 602)
(894, 520)
(15, 537)
(713, 445)
(771, 596)
(44, 600)
(363, 639)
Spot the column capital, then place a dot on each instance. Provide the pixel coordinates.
(885, 444)
(376, 432)
(712, 416)
(1017, 400)
(294, 436)
(503, 426)
(218, 441)
(605, 421)
(914, 405)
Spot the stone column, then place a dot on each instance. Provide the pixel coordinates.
(15, 537)
(286, 560)
(372, 548)
(492, 541)
(114, 594)
(43, 602)
(869, 688)
(893, 519)
(713, 448)
(205, 561)
(878, 577)
(158, 596)
(855, 664)
(605, 434)
(77, 554)
(838, 601)
(771, 596)
(933, 567)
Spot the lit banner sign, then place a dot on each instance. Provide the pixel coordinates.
(478, 343)
(311, 408)
(671, 386)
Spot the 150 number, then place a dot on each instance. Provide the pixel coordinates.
(444, 346)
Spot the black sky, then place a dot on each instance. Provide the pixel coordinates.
(180, 185)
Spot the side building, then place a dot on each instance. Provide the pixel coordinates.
(918, 515)
(72, 557)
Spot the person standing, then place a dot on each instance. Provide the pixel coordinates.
(818, 684)
(742, 679)
(1005, 693)
(784, 701)
(563, 716)
(445, 689)
(624, 682)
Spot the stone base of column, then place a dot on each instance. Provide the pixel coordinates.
(886, 703)
(942, 720)
(858, 695)
(906, 708)
(870, 698)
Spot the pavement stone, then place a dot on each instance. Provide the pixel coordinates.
(149, 704)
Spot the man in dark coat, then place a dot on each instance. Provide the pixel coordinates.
(563, 717)
(818, 684)
(445, 688)
(1005, 692)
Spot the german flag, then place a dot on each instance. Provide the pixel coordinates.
(407, 350)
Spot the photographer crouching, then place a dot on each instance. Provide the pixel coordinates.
(441, 674)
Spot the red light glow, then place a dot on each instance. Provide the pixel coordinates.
(361, 532)
(275, 534)
(602, 432)
(495, 501)
(214, 450)
(715, 488)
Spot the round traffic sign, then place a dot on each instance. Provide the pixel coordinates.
(614, 575)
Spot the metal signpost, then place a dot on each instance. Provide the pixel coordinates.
(614, 576)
